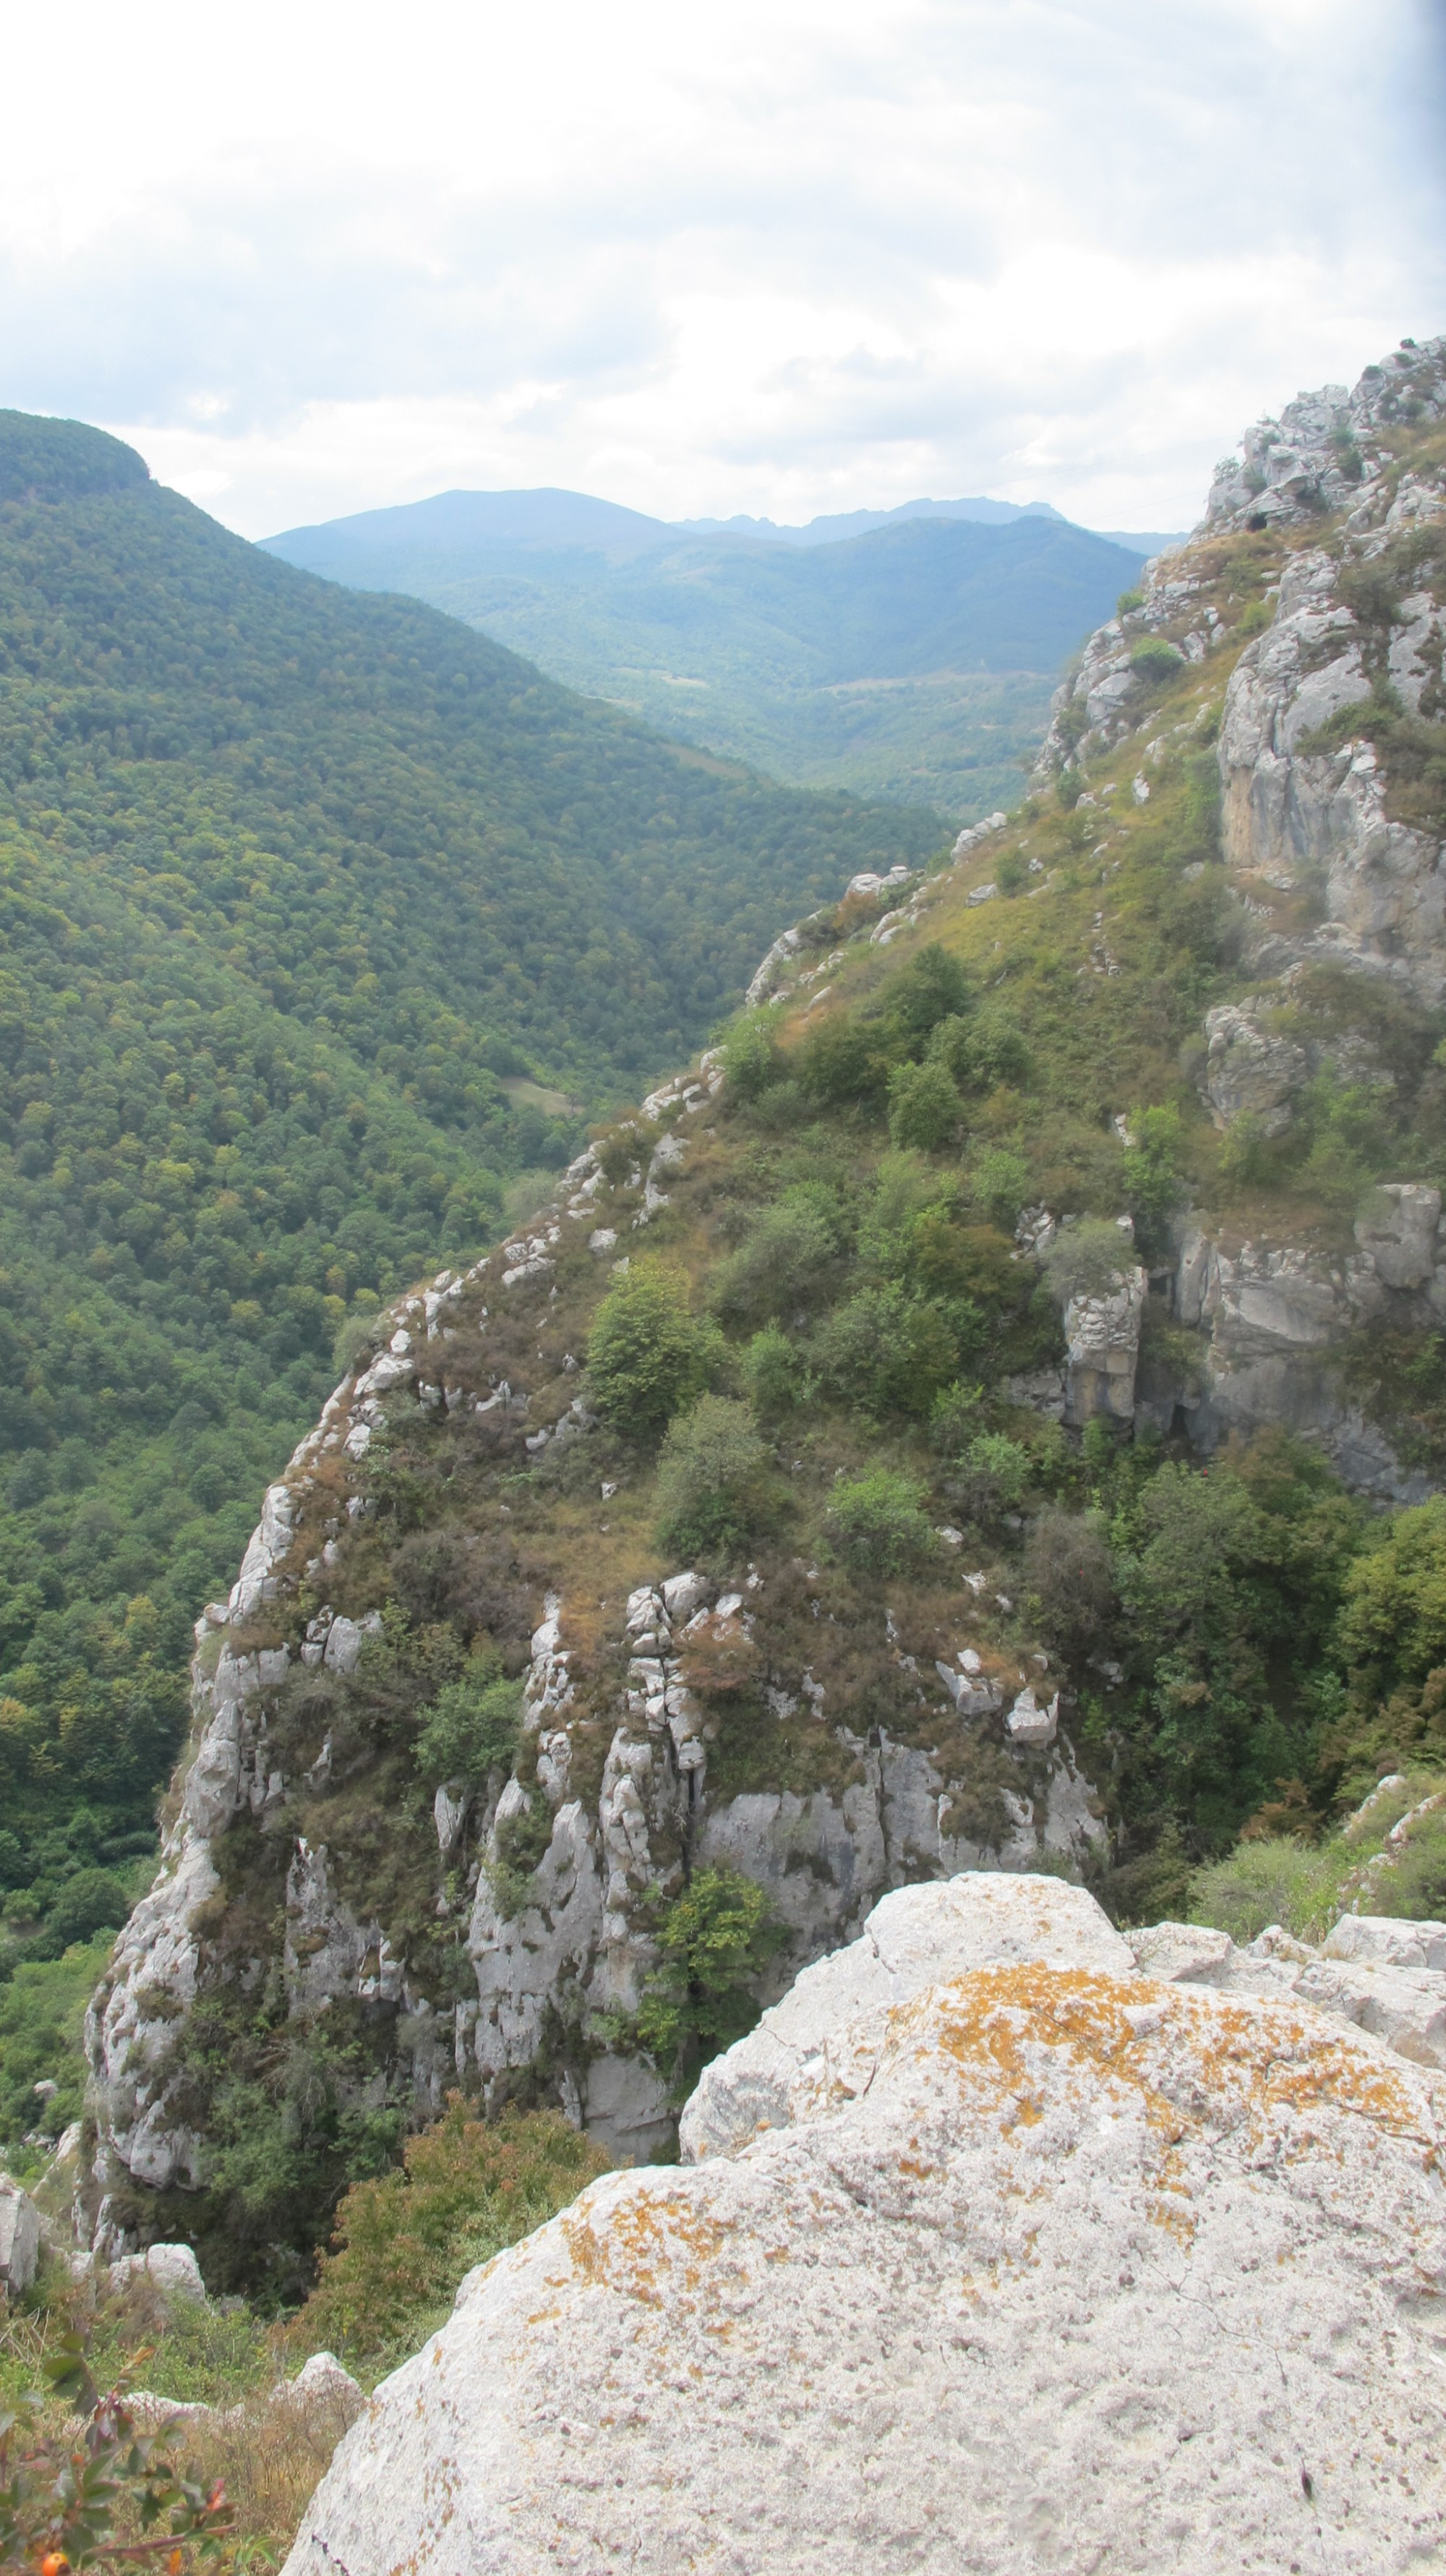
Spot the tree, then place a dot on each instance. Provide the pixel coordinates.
(716, 1940)
(712, 1478)
(646, 1354)
(472, 1726)
(924, 1106)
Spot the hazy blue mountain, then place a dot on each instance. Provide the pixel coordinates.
(912, 660)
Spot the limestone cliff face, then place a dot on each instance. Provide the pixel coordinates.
(1330, 529)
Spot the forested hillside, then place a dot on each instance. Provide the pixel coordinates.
(321, 920)
(913, 660)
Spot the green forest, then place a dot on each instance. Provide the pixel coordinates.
(315, 908)
(914, 662)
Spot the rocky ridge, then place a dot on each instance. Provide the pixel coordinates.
(1007, 2249)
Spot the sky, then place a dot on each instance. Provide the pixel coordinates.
(778, 256)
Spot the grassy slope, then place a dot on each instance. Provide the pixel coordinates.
(914, 662)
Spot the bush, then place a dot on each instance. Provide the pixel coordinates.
(472, 1727)
(1267, 1882)
(1153, 660)
(1128, 602)
(984, 1052)
(787, 1260)
(95, 1900)
(1151, 1176)
(842, 1063)
(886, 1351)
(716, 1941)
(1000, 1185)
(878, 1525)
(932, 987)
(924, 1106)
(403, 2243)
(713, 1487)
(774, 1374)
(646, 1354)
(1069, 1579)
(751, 1059)
(1088, 1260)
(954, 1418)
(997, 1475)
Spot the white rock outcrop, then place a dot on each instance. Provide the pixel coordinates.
(19, 2238)
(1053, 2266)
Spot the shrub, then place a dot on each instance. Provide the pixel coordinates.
(1000, 1185)
(1069, 1578)
(1128, 602)
(877, 1523)
(773, 1373)
(789, 1255)
(646, 1354)
(94, 1900)
(402, 2243)
(886, 1351)
(472, 1726)
(1153, 660)
(1264, 1882)
(751, 1058)
(1151, 1175)
(712, 1478)
(954, 1418)
(842, 1063)
(716, 1941)
(924, 1106)
(1088, 1260)
(932, 987)
(984, 1052)
(997, 1476)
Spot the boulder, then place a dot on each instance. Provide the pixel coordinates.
(1249, 1073)
(323, 2388)
(1389, 1938)
(19, 2238)
(1397, 1228)
(172, 2269)
(1092, 2273)
(982, 1918)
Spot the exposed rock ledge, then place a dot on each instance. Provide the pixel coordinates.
(1044, 2263)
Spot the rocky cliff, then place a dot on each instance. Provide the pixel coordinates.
(1011, 2246)
(333, 1924)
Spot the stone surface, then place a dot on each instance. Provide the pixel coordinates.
(172, 2269)
(918, 1934)
(1387, 1937)
(1397, 1230)
(1249, 1073)
(19, 2238)
(1073, 2271)
(1103, 1335)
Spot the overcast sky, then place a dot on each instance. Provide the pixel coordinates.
(779, 256)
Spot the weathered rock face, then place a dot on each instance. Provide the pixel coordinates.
(1249, 1072)
(1304, 822)
(1312, 459)
(1102, 1331)
(19, 2238)
(553, 1953)
(952, 2313)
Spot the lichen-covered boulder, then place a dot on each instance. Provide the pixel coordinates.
(1077, 2271)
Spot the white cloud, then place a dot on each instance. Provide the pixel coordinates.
(782, 257)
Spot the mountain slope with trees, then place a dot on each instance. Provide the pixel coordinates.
(913, 660)
(322, 920)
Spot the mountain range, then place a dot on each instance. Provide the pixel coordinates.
(907, 654)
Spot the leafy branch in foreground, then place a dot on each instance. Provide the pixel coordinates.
(77, 2497)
